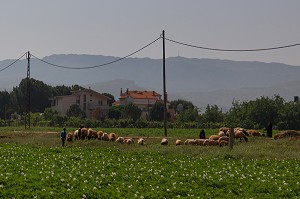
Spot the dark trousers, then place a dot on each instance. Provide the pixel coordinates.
(63, 141)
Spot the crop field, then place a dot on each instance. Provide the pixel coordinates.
(33, 165)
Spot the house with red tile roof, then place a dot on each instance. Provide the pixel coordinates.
(142, 99)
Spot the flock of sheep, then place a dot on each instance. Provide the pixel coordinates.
(221, 139)
(83, 133)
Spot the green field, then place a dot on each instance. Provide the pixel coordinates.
(33, 165)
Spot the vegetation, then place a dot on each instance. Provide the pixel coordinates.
(33, 165)
(254, 114)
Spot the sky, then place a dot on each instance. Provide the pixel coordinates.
(120, 27)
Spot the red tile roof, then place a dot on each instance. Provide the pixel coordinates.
(140, 95)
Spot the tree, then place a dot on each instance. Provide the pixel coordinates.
(75, 111)
(131, 111)
(115, 112)
(39, 96)
(111, 98)
(5, 104)
(213, 114)
(185, 104)
(156, 112)
(188, 115)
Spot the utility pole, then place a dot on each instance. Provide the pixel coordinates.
(27, 109)
(164, 85)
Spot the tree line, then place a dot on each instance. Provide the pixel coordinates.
(254, 114)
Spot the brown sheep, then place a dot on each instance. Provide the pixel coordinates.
(209, 142)
(240, 135)
(206, 142)
(141, 141)
(164, 141)
(288, 133)
(178, 142)
(223, 138)
(199, 141)
(254, 132)
(221, 133)
(129, 141)
(76, 137)
(224, 129)
(214, 137)
(223, 143)
(189, 142)
(70, 137)
(105, 137)
(84, 133)
(112, 137)
(120, 140)
(91, 134)
(99, 134)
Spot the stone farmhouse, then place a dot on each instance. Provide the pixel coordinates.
(91, 102)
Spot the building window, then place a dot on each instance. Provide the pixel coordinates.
(84, 98)
(100, 103)
(84, 107)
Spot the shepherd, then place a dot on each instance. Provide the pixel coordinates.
(63, 136)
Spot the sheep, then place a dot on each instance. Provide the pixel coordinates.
(129, 141)
(178, 142)
(288, 133)
(164, 141)
(70, 137)
(120, 140)
(141, 141)
(76, 137)
(254, 132)
(105, 137)
(214, 137)
(99, 134)
(224, 129)
(112, 137)
(223, 138)
(223, 143)
(199, 141)
(221, 133)
(240, 134)
(208, 142)
(189, 142)
(91, 134)
(84, 133)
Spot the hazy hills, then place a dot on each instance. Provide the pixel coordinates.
(202, 81)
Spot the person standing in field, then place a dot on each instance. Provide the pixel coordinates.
(269, 130)
(63, 136)
(202, 134)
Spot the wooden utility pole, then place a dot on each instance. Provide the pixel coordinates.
(164, 85)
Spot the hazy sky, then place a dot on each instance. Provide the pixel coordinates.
(119, 27)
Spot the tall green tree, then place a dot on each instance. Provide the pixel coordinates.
(39, 96)
(131, 111)
(213, 114)
(75, 111)
(175, 104)
(5, 105)
(111, 98)
(156, 112)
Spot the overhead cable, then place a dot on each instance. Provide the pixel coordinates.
(100, 65)
(234, 50)
(12, 63)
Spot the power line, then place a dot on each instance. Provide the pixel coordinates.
(90, 67)
(234, 50)
(13, 62)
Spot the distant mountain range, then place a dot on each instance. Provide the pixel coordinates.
(202, 81)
